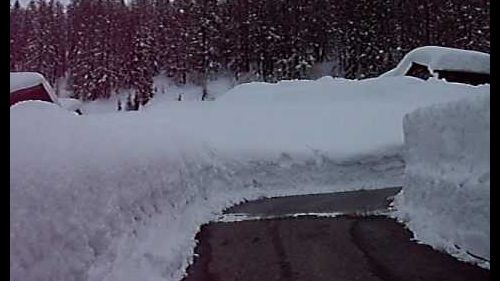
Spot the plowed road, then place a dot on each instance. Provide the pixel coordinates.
(278, 247)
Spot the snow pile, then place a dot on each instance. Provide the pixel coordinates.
(442, 58)
(446, 196)
(121, 196)
(78, 183)
(70, 104)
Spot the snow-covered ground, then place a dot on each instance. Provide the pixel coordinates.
(165, 91)
(446, 195)
(120, 196)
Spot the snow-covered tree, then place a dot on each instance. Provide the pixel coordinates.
(142, 61)
(17, 36)
(106, 45)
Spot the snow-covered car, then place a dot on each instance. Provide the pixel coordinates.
(26, 86)
(452, 65)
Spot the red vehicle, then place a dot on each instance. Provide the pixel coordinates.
(26, 86)
(30, 86)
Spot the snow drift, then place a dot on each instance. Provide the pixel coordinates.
(446, 195)
(120, 196)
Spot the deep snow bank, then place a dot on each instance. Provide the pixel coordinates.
(446, 196)
(121, 196)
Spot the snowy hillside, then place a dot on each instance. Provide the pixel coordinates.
(446, 196)
(120, 196)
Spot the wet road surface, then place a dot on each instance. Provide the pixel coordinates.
(311, 248)
(359, 201)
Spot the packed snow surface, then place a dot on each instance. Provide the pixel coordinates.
(442, 58)
(120, 196)
(446, 195)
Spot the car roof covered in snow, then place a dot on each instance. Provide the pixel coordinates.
(442, 58)
(24, 80)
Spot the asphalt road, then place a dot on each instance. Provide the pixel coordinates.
(359, 201)
(309, 248)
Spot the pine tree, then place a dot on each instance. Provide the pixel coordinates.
(203, 41)
(17, 36)
(142, 58)
(59, 35)
(108, 45)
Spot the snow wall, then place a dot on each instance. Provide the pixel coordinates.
(446, 196)
(121, 197)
